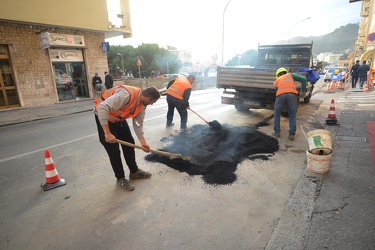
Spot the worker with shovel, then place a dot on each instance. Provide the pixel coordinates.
(111, 111)
(178, 95)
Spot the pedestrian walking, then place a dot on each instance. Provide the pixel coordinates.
(362, 73)
(111, 111)
(108, 80)
(178, 94)
(287, 94)
(354, 74)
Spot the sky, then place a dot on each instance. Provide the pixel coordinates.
(210, 27)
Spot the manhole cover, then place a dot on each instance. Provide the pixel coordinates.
(351, 138)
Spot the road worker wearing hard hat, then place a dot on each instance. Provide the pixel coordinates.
(287, 95)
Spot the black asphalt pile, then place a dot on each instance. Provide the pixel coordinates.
(215, 153)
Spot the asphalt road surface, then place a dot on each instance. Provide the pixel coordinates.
(172, 210)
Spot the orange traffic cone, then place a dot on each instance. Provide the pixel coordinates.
(331, 119)
(366, 89)
(53, 179)
(328, 86)
(338, 84)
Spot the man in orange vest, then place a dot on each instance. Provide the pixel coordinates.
(178, 94)
(287, 94)
(111, 111)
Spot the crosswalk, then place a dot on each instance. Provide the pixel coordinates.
(357, 98)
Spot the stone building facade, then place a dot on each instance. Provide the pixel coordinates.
(31, 69)
(49, 53)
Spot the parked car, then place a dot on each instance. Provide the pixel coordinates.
(163, 88)
(330, 71)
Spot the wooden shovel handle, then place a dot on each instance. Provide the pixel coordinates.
(199, 116)
(140, 147)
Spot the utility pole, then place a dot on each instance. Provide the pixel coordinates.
(122, 61)
(295, 25)
(222, 36)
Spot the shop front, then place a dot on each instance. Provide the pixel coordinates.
(69, 74)
(68, 64)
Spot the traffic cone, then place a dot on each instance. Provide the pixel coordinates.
(366, 88)
(328, 86)
(338, 84)
(331, 119)
(53, 179)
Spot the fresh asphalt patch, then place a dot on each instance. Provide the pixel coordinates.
(216, 152)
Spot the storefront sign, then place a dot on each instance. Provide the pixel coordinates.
(54, 39)
(61, 55)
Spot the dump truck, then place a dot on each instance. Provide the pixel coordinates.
(252, 88)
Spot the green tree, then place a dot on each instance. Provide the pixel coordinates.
(153, 59)
(247, 58)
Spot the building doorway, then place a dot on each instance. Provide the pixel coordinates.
(8, 91)
(70, 74)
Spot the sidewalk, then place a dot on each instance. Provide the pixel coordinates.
(335, 210)
(21, 115)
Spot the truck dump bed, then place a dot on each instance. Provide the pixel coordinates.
(228, 77)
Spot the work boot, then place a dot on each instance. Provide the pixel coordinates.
(291, 137)
(140, 174)
(125, 184)
(169, 125)
(276, 134)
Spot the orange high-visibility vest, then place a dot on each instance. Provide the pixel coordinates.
(285, 84)
(372, 74)
(129, 110)
(178, 87)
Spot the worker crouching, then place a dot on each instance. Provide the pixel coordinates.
(287, 95)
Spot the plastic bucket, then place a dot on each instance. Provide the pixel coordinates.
(318, 163)
(319, 142)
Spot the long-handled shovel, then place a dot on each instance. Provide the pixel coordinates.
(214, 123)
(170, 155)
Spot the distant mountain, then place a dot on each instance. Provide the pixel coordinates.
(338, 41)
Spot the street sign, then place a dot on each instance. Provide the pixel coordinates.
(139, 64)
(371, 37)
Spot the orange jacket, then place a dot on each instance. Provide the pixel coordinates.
(285, 84)
(129, 110)
(178, 88)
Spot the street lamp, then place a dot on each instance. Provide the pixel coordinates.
(122, 61)
(295, 25)
(222, 37)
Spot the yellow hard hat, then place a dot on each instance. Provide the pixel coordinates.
(280, 70)
(337, 72)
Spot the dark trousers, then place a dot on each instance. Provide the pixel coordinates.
(354, 81)
(122, 132)
(181, 108)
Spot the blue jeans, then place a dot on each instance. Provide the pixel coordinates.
(181, 108)
(362, 80)
(290, 101)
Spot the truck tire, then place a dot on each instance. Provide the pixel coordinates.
(307, 98)
(242, 108)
